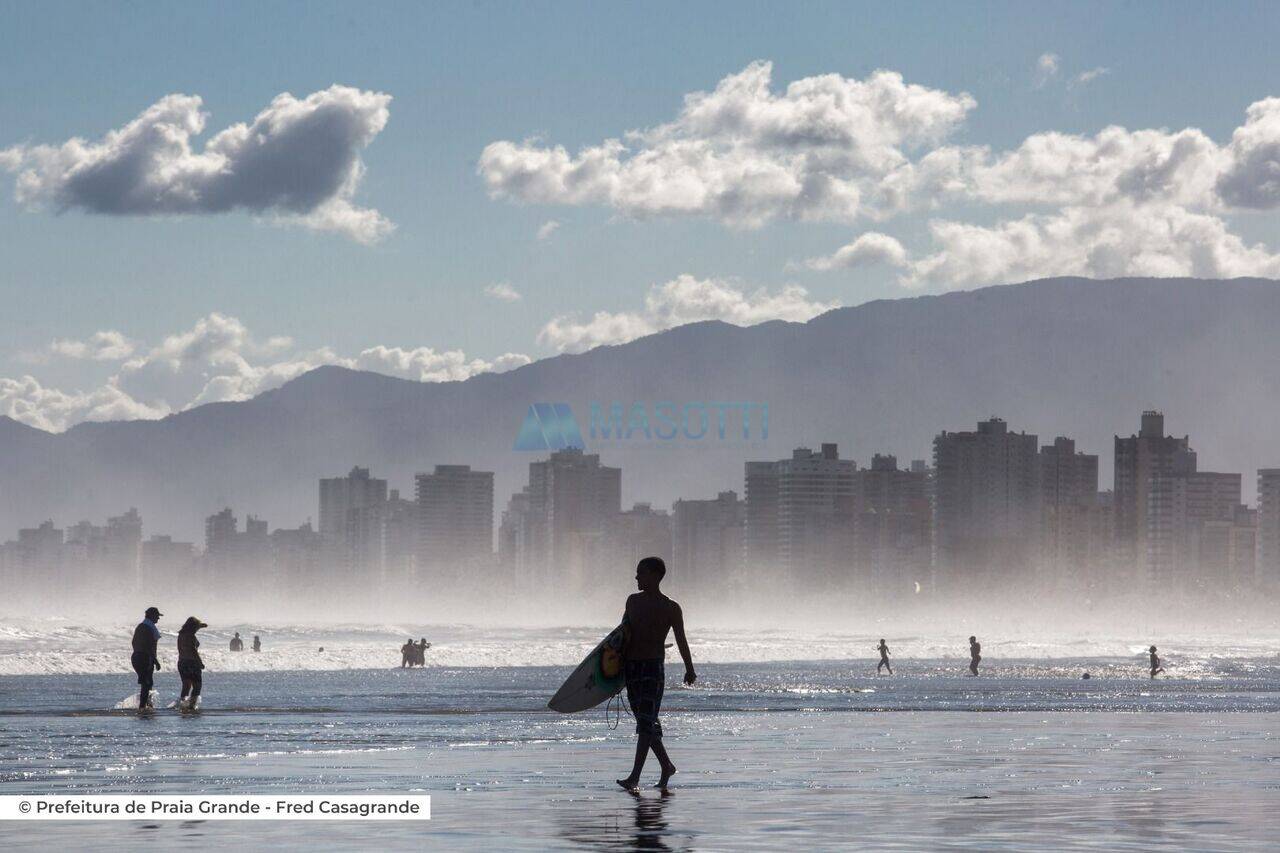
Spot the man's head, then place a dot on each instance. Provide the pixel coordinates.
(650, 572)
(1153, 648)
(882, 641)
(153, 613)
(973, 639)
(237, 633)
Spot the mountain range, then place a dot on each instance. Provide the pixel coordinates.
(1068, 356)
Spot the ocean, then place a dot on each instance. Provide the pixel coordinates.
(785, 741)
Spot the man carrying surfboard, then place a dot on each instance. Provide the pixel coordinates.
(649, 616)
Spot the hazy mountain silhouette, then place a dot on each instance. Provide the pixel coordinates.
(1057, 357)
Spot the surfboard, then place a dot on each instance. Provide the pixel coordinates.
(597, 679)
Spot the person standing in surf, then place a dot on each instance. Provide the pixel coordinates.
(975, 655)
(144, 660)
(1156, 668)
(649, 616)
(883, 649)
(190, 666)
(237, 644)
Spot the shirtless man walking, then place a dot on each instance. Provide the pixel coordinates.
(650, 615)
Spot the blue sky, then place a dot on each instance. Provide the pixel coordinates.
(462, 77)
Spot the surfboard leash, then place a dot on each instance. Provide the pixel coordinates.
(617, 719)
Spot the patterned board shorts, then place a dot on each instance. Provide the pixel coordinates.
(646, 680)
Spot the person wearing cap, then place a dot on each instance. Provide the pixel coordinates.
(144, 660)
(190, 665)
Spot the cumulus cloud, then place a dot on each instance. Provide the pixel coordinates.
(743, 154)
(26, 400)
(1115, 203)
(684, 299)
(424, 364)
(547, 229)
(1108, 242)
(1046, 68)
(108, 345)
(298, 161)
(503, 292)
(840, 149)
(217, 360)
(1252, 178)
(868, 249)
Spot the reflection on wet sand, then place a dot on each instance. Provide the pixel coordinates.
(645, 826)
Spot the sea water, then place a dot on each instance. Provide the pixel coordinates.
(785, 741)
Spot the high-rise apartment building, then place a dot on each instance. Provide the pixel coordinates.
(455, 522)
(559, 528)
(707, 543)
(986, 505)
(351, 519)
(1268, 553)
(801, 516)
(1143, 465)
(893, 527)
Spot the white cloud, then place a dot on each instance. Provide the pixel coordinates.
(503, 292)
(546, 229)
(1046, 68)
(424, 364)
(1084, 78)
(108, 345)
(1252, 180)
(1122, 239)
(216, 360)
(298, 161)
(682, 300)
(743, 154)
(26, 400)
(868, 249)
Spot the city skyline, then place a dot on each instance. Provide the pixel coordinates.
(996, 509)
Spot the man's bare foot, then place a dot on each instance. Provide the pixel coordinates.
(629, 785)
(667, 773)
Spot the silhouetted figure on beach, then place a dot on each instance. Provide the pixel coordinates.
(975, 655)
(144, 660)
(237, 644)
(407, 653)
(420, 653)
(190, 666)
(883, 649)
(649, 616)
(1156, 668)
(257, 643)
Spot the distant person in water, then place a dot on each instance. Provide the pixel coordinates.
(649, 616)
(883, 649)
(144, 660)
(420, 655)
(257, 643)
(407, 653)
(190, 666)
(975, 655)
(1156, 668)
(237, 644)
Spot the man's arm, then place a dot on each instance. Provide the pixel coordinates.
(677, 625)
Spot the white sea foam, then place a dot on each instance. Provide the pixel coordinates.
(55, 646)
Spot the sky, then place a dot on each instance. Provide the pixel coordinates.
(198, 204)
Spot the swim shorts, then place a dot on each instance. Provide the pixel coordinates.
(646, 680)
